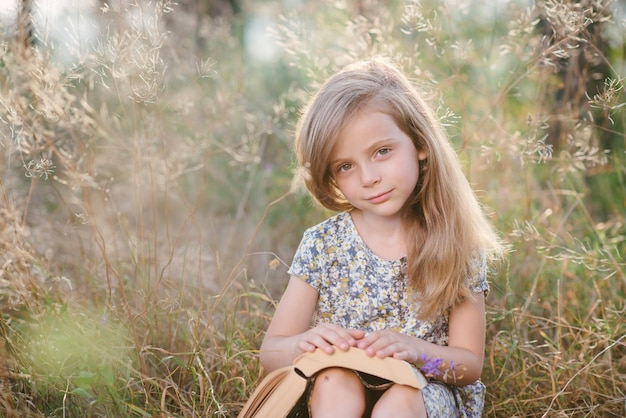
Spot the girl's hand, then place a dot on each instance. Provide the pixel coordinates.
(387, 343)
(289, 334)
(459, 363)
(325, 336)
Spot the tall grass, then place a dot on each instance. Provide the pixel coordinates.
(149, 210)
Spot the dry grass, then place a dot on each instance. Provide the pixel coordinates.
(147, 211)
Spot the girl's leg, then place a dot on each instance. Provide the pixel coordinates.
(337, 393)
(399, 402)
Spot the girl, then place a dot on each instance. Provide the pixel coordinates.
(400, 271)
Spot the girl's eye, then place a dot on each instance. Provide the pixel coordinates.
(383, 151)
(344, 167)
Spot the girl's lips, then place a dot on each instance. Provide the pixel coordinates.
(379, 198)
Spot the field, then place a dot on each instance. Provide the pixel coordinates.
(150, 205)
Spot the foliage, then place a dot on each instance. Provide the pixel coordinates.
(149, 207)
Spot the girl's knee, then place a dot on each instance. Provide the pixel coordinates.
(337, 392)
(338, 379)
(400, 401)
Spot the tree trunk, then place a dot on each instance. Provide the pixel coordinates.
(25, 31)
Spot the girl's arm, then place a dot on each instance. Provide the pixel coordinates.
(289, 333)
(466, 344)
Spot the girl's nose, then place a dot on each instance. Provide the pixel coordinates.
(369, 176)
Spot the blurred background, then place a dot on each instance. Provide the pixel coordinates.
(150, 207)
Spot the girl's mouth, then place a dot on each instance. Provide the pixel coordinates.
(379, 198)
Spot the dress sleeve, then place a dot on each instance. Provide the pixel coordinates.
(308, 261)
(477, 282)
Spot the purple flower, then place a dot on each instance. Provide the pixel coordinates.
(431, 366)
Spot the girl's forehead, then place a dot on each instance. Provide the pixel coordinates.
(366, 129)
(363, 115)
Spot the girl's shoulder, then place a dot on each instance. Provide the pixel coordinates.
(477, 279)
(337, 226)
(323, 242)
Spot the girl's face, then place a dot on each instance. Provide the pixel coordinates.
(375, 164)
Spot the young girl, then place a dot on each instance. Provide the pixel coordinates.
(400, 271)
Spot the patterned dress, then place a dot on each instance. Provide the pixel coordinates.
(357, 289)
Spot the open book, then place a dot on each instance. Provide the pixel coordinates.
(280, 391)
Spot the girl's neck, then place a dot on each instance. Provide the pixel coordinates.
(384, 236)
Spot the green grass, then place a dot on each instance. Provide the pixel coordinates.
(148, 209)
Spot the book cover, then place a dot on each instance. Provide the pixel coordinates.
(279, 392)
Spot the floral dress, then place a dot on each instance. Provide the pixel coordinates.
(357, 289)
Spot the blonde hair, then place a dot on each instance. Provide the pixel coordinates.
(446, 227)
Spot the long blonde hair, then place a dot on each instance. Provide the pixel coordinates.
(446, 227)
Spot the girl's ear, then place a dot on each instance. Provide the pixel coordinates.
(422, 155)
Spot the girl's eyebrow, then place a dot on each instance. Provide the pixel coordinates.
(382, 143)
(336, 161)
(372, 147)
